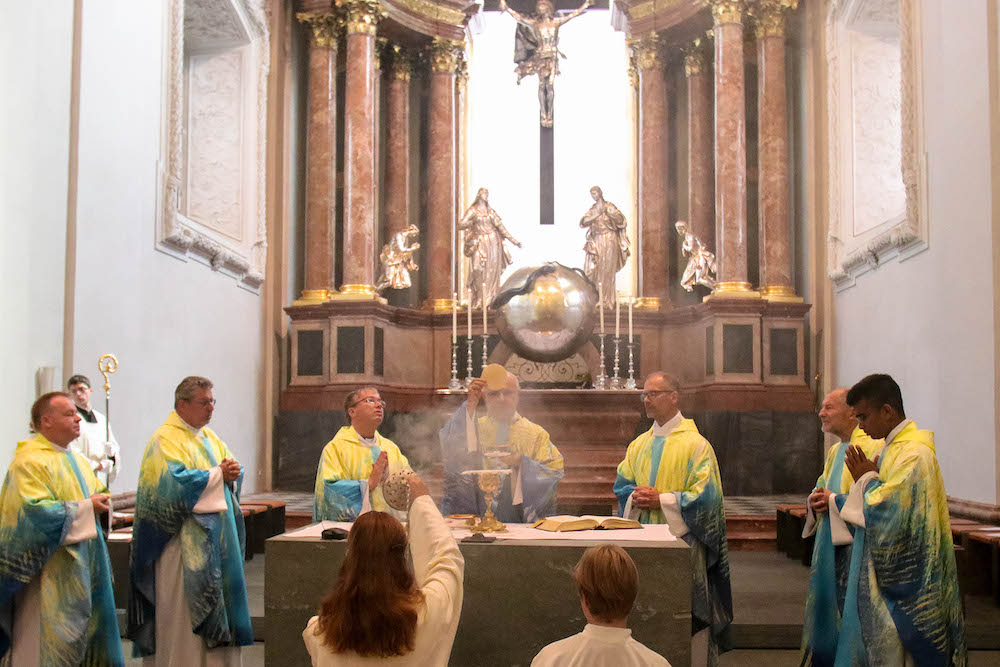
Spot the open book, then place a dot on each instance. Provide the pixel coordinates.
(564, 523)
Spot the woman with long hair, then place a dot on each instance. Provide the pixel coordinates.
(380, 610)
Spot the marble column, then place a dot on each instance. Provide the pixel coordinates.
(730, 151)
(321, 158)
(701, 163)
(775, 236)
(654, 259)
(359, 148)
(397, 165)
(441, 165)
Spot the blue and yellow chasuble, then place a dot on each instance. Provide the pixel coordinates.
(830, 563)
(684, 462)
(347, 462)
(902, 590)
(173, 474)
(38, 504)
(540, 471)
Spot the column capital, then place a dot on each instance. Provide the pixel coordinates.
(400, 62)
(381, 51)
(324, 28)
(361, 16)
(695, 61)
(727, 11)
(461, 71)
(444, 55)
(769, 16)
(649, 53)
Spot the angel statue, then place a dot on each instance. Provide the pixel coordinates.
(701, 267)
(536, 49)
(607, 245)
(484, 246)
(397, 260)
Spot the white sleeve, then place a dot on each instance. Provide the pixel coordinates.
(84, 525)
(213, 497)
(670, 505)
(471, 439)
(366, 499)
(811, 522)
(630, 511)
(854, 508)
(839, 532)
(438, 565)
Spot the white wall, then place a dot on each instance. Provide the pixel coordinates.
(164, 318)
(35, 69)
(928, 321)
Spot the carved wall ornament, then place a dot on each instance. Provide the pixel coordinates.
(878, 182)
(211, 188)
(633, 66)
(361, 16)
(643, 10)
(727, 11)
(324, 29)
(571, 371)
(435, 11)
(444, 55)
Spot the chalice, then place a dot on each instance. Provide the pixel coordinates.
(489, 483)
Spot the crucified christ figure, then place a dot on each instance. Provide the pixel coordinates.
(536, 49)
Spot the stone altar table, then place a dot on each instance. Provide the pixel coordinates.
(518, 592)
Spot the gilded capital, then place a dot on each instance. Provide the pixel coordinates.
(694, 58)
(444, 55)
(649, 53)
(401, 65)
(323, 29)
(769, 16)
(381, 47)
(362, 16)
(727, 11)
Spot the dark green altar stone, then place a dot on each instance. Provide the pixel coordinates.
(519, 597)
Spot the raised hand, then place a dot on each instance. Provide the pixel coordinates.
(417, 487)
(475, 395)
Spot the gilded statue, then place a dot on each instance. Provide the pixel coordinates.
(607, 246)
(536, 49)
(397, 259)
(701, 268)
(484, 246)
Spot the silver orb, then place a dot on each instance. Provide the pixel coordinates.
(546, 313)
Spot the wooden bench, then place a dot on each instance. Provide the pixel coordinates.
(983, 548)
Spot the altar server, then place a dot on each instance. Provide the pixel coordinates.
(356, 462)
(57, 606)
(529, 492)
(903, 604)
(670, 475)
(607, 582)
(828, 579)
(97, 441)
(382, 611)
(188, 599)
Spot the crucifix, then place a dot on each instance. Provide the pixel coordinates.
(536, 52)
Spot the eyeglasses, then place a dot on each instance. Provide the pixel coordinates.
(371, 401)
(505, 393)
(654, 393)
(203, 402)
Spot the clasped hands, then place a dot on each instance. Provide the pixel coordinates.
(857, 463)
(646, 497)
(230, 470)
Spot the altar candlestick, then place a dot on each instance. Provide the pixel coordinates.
(454, 317)
(600, 305)
(630, 301)
(468, 315)
(618, 312)
(485, 307)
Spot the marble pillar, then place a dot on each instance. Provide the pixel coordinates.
(441, 166)
(701, 162)
(730, 151)
(321, 158)
(397, 165)
(654, 231)
(775, 236)
(359, 148)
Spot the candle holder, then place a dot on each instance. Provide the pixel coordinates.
(630, 382)
(454, 383)
(616, 382)
(468, 361)
(485, 339)
(601, 381)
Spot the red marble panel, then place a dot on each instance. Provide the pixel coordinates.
(775, 255)
(440, 183)
(359, 171)
(321, 167)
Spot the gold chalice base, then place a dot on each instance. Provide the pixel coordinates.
(489, 484)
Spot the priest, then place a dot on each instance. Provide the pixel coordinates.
(188, 597)
(356, 462)
(501, 439)
(903, 604)
(50, 542)
(97, 441)
(670, 475)
(828, 580)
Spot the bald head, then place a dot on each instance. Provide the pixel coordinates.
(502, 403)
(836, 416)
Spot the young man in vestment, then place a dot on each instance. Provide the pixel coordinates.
(50, 544)
(356, 462)
(97, 441)
(831, 558)
(670, 475)
(903, 604)
(502, 439)
(188, 599)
